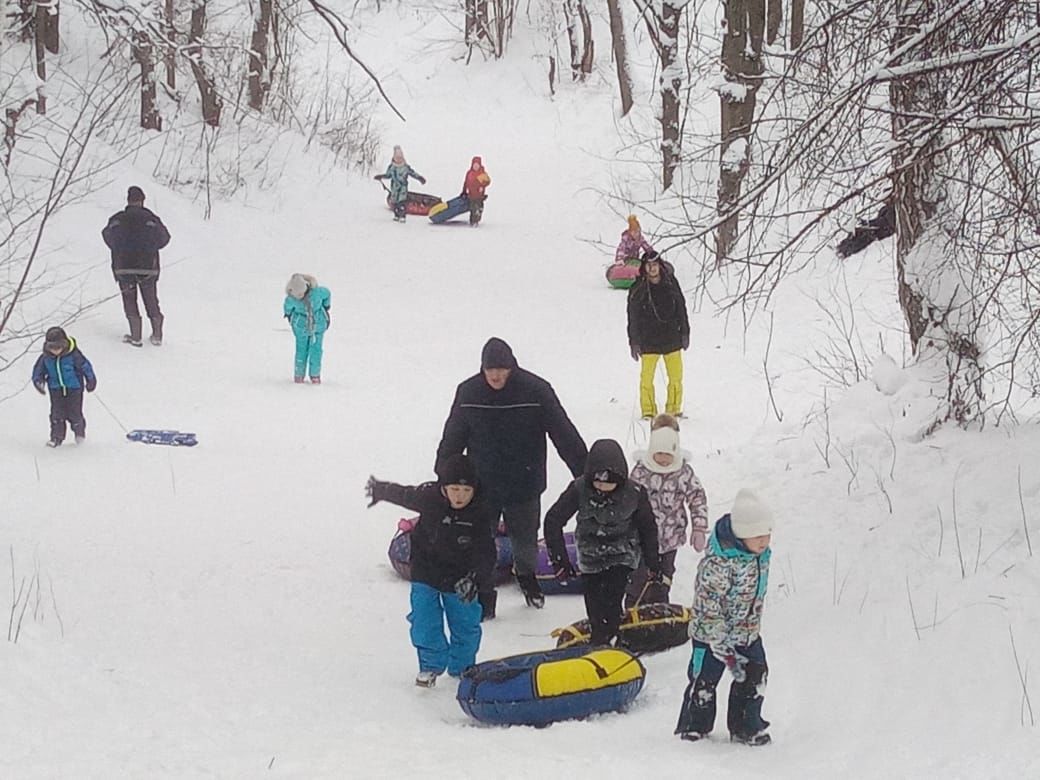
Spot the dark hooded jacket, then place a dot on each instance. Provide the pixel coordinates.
(504, 431)
(447, 544)
(135, 235)
(658, 322)
(614, 528)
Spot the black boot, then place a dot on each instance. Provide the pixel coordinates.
(532, 592)
(488, 600)
(157, 323)
(134, 336)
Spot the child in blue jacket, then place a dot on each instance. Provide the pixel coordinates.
(307, 309)
(398, 172)
(453, 555)
(66, 372)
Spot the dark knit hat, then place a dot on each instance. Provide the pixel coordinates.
(496, 354)
(135, 194)
(457, 470)
(56, 337)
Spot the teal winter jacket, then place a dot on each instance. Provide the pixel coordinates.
(309, 315)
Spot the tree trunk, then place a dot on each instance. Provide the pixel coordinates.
(259, 78)
(572, 38)
(670, 81)
(170, 49)
(51, 35)
(797, 23)
(141, 49)
(211, 102)
(742, 66)
(39, 34)
(618, 43)
(26, 20)
(774, 18)
(936, 298)
(588, 46)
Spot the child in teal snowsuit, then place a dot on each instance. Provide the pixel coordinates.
(398, 172)
(307, 309)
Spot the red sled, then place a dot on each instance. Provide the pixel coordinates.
(418, 203)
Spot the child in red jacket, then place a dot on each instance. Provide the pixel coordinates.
(473, 188)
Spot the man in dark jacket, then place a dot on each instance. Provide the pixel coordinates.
(453, 554)
(658, 324)
(616, 530)
(500, 418)
(135, 235)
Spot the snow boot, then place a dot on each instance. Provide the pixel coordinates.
(488, 601)
(532, 592)
(751, 740)
(426, 679)
(53, 443)
(156, 337)
(298, 380)
(315, 380)
(133, 338)
(81, 438)
(692, 736)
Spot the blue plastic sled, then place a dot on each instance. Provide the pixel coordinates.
(536, 689)
(452, 209)
(171, 438)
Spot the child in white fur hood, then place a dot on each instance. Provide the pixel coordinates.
(677, 496)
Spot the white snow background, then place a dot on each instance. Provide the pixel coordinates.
(229, 610)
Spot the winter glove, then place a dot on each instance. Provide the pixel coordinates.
(699, 539)
(488, 601)
(466, 588)
(422, 179)
(379, 177)
(563, 569)
(91, 385)
(375, 491)
(636, 352)
(41, 388)
(686, 341)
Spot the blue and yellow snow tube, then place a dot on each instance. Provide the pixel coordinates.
(536, 689)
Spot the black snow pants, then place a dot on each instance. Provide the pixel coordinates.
(604, 591)
(744, 715)
(67, 406)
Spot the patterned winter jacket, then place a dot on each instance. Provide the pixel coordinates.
(309, 315)
(730, 592)
(68, 371)
(675, 497)
(629, 247)
(398, 176)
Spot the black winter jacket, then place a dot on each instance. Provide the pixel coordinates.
(447, 544)
(658, 322)
(613, 528)
(504, 431)
(135, 235)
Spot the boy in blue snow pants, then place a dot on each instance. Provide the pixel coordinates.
(438, 654)
(452, 559)
(307, 309)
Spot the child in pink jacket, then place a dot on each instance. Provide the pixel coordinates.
(676, 496)
(632, 245)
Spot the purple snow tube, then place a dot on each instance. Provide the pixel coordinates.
(543, 570)
(400, 552)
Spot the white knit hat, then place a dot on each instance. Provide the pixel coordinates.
(297, 286)
(749, 517)
(664, 440)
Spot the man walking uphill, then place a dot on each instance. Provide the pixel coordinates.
(135, 235)
(500, 417)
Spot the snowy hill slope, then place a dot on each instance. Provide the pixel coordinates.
(228, 610)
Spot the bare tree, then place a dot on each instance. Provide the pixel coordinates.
(142, 51)
(620, 52)
(259, 79)
(170, 48)
(211, 101)
(742, 67)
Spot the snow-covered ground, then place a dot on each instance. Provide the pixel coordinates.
(229, 611)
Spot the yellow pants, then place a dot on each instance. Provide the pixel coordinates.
(673, 400)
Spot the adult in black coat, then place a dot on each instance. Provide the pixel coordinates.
(658, 325)
(615, 531)
(135, 235)
(500, 418)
